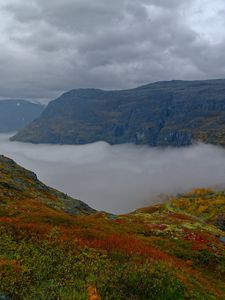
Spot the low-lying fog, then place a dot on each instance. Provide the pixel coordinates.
(120, 178)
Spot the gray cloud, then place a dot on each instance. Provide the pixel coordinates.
(49, 46)
(120, 178)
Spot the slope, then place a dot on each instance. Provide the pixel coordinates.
(161, 252)
(175, 113)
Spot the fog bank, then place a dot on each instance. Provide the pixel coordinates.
(120, 178)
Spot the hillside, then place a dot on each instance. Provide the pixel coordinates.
(54, 247)
(22, 192)
(175, 113)
(16, 114)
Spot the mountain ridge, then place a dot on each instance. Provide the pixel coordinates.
(16, 114)
(24, 185)
(174, 113)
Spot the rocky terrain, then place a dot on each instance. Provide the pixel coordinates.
(20, 190)
(16, 114)
(174, 113)
(55, 247)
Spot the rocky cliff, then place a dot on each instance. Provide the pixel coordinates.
(175, 113)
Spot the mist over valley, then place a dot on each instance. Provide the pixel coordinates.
(120, 178)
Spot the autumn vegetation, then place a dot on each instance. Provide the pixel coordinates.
(50, 251)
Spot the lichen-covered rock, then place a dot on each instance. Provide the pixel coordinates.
(220, 222)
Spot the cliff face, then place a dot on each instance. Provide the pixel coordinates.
(175, 113)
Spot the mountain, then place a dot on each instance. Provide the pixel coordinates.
(54, 247)
(20, 190)
(16, 114)
(175, 113)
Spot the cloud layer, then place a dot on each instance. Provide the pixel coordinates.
(49, 46)
(120, 178)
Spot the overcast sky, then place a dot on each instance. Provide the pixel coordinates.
(51, 46)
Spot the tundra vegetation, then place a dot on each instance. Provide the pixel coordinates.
(55, 247)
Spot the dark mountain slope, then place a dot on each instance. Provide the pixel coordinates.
(173, 113)
(16, 114)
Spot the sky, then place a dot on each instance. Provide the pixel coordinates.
(51, 46)
(121, 178)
